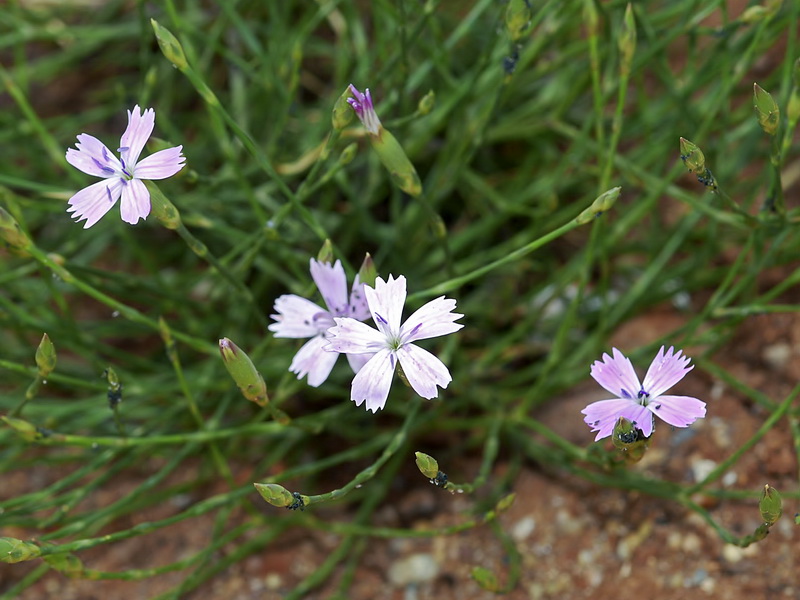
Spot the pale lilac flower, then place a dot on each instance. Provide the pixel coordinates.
(392, 342)
(121, 176)
(362, 105)
(639, 402)
(301, 318)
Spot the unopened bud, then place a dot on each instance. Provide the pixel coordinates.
(342, 112)
(13, 550)
(66, 563)
(766, 109)
(427, 103)
(692, 157)
(45, 356)
(162, 209)
(627, 40)
(396, 162)
(170, 46)
(485, 578)
(279, 496)
(518, 18)
(600, 205)
(325, 254)
(427, 465)
(27, 431)
(348, 154)
(367, 273)
(770, 505)
(243, 372)
(11, 233)
(505, 502)
(629, 439)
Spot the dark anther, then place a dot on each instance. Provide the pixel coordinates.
(440, 480)
(298, 502)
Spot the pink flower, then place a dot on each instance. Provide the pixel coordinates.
(301, 318)
(121, 176)
(392, 342)
(638, 403)
(365, 111)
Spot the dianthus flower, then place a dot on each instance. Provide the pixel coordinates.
(121, 176)
(301, 318)
(392, 342)
(639, 402)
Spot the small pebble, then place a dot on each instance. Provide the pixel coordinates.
(417, 568)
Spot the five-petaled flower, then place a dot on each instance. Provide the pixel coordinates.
(639, 402)
(362, 105)
(392, 342)
(301, 318)
(121, 176)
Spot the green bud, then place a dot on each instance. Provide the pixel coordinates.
(793, 106)
(325, 254)
(162, 209)
(485, 578)
(244, 372)
(600, 205)
(279, 496)
(692, 157)
(348, 154)
(367, 273)
(27, 431)
(627, 40)
(766, 109)
(11, 233)
(396, 162)
(627, 438)
(427, 465)
(770, 505)
(66, 563)
(45, 356)
(13, 550)
(518, 18)
(756, 14)
(505, 502)
(342, 112)
(427, 103)
(170, 46)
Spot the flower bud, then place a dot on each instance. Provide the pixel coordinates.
(627, 438)
(13, 550)
(427, 465)
(162, 209)
(427, 103)
(518, 18)
(325, 254)
(27, 431)
(66, 563)
(394, 158)
(11, 233)
(600, 205)
(505, 502)
(114, 393)
(766, 109)
(45, 356)
(170, 46)
(342, 112)
(627, 40)
(367, 273)
(770, 505)
(275, 494)
(348, 154)
(243, 372)
(692, 157)
(485, 578)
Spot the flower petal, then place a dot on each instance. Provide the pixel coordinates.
(602, 416)
(135, 203)
(616, 375)
(298, 318)
(140, 127)
(313, 361)
(373, 381)
(385, 303)
(680, 411)
(354, 337)
(431, 320)
(423, 370)
(93, 157)
(161, 164)
(92, 202)
(359, 309)
(357, 361)
(666, 370)
(332, 284)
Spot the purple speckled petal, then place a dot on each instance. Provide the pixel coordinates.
(93, 157)
(680, 411)
(616, 375)
(332, 284)
(140, 127)
(373, 382)
(161, 164)
(354, 337)
(298, 318)
(602, 416)
(358, 301)
(92, 202)
(314, 361)
(423, 370)
(432, 320)
(386, 303)
(135, 203)
(665, 371)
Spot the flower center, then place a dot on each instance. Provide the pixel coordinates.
(643, 397)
